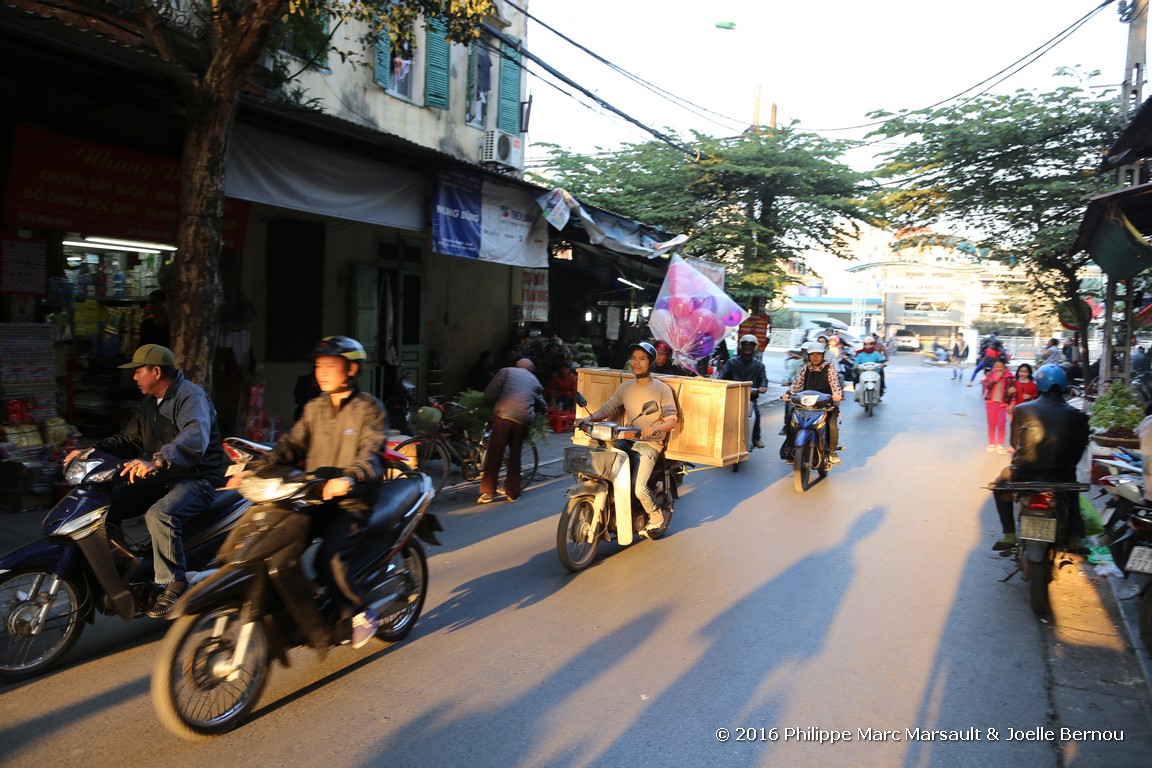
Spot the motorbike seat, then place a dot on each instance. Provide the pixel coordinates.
(396, 497)
(223, 505)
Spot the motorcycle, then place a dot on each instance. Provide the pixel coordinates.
(86, 564)
(259, 601)
(933, 358)
(1042, 510)
(807, 444)
(868, 385)
(1139, 564)
(601, 504)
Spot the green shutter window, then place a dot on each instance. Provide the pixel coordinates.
(436, 57)
(508, 106)
(383, 70)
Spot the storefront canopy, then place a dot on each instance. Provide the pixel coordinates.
(1115, 231)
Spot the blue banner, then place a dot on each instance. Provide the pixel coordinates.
(456, 214)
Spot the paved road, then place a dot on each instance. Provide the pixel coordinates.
(870, 606)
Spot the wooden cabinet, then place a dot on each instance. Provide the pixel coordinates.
(713, 427)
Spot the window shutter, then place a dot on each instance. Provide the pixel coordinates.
(437, 53)
(383, 70)
(508, 113)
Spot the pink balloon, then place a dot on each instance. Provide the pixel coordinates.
(734, 318)
(681, 335)
(680, 305)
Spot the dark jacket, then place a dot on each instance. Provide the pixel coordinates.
(516, 394)
(1049, 436)
(180, 434)
(342, 442)
(739, 369)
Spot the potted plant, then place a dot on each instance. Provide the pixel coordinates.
(1115, 416)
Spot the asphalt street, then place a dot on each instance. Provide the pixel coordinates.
(866, 622)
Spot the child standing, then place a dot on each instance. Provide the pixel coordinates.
(999, 392)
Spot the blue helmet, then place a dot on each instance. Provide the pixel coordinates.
(1051, 377)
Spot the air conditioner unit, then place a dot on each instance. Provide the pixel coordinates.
(503, 150)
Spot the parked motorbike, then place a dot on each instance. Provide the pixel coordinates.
(601, 504)
(1042, 510)
(868, 385)
(1138, 567)
(259, 601)
(807, 445)
(85, 564)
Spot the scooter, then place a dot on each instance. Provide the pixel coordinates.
(601, 505)
(1138, 567)
(260, 601)
(1042, 511)
(807, 448)
(868, 385)
(86, 564)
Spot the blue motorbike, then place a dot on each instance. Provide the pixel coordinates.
(808, 437)
(87, 564)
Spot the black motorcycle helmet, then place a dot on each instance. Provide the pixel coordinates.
(341, 346)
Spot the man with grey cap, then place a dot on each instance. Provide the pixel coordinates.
(517, 398)
(175, 463)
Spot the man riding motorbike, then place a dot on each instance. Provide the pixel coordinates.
(745, 367)
(869, 353)
(665, 364)
(175, 463)
(630, 398)
(818, 375)
(339, 437)
(1049, 436)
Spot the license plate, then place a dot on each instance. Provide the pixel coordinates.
(1140, 560)
(1038, 528)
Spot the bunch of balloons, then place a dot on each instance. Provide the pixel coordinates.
(691, 313)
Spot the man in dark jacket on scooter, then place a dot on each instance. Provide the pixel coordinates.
(176, 463)
(745, 367)
(339, 436)
(1050, 437)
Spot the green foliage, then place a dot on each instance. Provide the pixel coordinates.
(753, 202)
(1119, 406)
(1018, 168)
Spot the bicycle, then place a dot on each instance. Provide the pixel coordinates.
(442, 444)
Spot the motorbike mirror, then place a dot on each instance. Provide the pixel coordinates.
(650, 407)
(581, 400)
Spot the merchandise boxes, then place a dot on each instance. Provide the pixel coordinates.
(713, 429)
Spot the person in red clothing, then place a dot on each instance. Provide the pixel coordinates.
(562, 388)
(999, 392)
(1026, 388)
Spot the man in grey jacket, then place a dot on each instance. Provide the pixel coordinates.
(517, 397)
(175, 463)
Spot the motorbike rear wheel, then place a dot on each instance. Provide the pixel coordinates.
(577, 537)
(1039, 575)
(194, 691)
(429, 457)
(1145, 618)
(804, 463)
(395, 626)
(22, 598)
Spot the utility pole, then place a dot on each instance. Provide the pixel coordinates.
(1135, 14)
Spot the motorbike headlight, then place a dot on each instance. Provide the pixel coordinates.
(263, 490)
(602, 430)
(82, 469)
(809, 400)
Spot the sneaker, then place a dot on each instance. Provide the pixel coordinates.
(834, 459)
(1001, 449)
(363, 628)
(758, 443)
(513, 499)
(968, 384)
(167, 599)
(782, 432)
(655, 520)
(485, 498)
(1007, 541)
(991, 448)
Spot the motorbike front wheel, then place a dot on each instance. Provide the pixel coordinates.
(802, 466)
(577, 537)
(24, 651)
(395, 626)
(195, 691)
